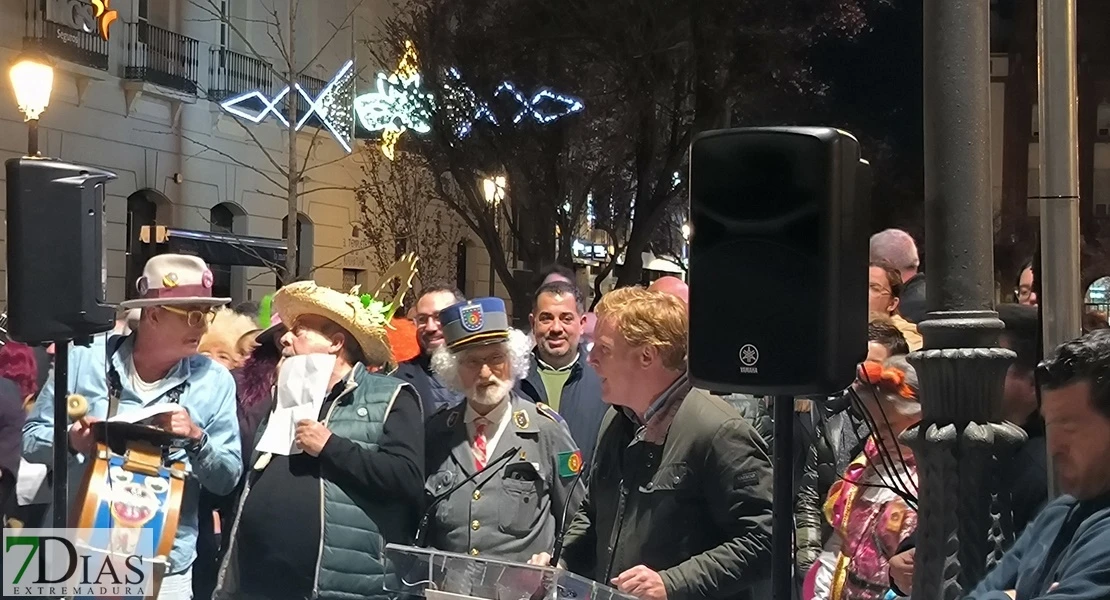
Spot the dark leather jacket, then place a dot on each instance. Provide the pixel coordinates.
(688, 494)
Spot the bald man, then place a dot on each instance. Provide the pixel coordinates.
(673, 286)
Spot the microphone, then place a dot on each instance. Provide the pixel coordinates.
(422, 530)
(557, 550)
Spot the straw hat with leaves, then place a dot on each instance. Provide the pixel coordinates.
(365, 316)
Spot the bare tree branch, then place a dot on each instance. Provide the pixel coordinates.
(262, 147)
(232, 158)
(328, 188)
(308, 154)
(343, 25)
(213, 9)
(207, 148)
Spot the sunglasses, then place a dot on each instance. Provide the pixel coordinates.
(195, 318)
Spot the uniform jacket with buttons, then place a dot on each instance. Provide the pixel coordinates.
(512, 510)
(687, 495)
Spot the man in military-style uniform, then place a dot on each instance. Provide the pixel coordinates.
(515, 508)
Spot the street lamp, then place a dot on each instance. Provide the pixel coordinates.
(32, 79)
(493, 188)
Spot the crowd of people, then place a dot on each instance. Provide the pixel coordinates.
(580, 442)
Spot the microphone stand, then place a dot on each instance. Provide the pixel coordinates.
(557, 550)
(560, 535)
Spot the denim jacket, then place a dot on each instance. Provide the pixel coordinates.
(209, 398)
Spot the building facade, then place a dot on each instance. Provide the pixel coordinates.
(145, 104)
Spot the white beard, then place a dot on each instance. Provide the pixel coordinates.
(492, 395)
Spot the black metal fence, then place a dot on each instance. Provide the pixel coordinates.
(162, 57)
(85, 48)
(231, 73)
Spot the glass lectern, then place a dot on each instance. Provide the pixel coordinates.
(438, 575)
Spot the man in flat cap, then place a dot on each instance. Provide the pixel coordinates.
(515, 507)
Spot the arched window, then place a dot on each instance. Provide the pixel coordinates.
(227, 279)
(305, 244)
(221, 219)
(141, 210)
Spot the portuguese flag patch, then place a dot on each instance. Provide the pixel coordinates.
(570, 463)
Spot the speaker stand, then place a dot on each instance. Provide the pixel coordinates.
(782, 506)
(60, 458)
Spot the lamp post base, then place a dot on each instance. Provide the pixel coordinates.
(959, 526)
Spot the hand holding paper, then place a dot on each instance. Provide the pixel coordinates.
(301, 389)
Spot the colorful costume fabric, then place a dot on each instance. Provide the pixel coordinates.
(869, 521)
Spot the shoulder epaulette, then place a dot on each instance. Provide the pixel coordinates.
(549, 412)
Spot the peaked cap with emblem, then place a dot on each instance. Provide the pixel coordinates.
(474, 323)
(175, 280)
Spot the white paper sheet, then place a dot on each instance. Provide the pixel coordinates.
(30, 485)
(301, 388)
(142, 414)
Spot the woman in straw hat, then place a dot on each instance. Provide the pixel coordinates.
(312, 523)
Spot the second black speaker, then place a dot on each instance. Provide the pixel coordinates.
(778, 260)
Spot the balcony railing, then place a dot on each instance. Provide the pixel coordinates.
(231, 73)
(64, 42)
(162, 57)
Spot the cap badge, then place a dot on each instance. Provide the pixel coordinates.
(206, 279)
(472, 317)
(142, 285)
(169, 280)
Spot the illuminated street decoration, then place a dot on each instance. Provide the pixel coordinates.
(395, 107)
(104, 16)
(268, 106)
(332, 105)
(561, 105)
(399, 104)
(462, 105)
(91, 16)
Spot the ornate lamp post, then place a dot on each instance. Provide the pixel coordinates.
(960, 368)
(32, 79)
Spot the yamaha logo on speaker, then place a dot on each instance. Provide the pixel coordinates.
(749, 356)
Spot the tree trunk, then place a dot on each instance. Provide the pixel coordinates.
(292, 258)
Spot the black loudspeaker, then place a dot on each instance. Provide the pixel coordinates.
(56, 262)
(778, 260)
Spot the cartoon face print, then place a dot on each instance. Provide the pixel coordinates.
(134, 503)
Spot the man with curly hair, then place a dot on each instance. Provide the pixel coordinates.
(515, 508)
